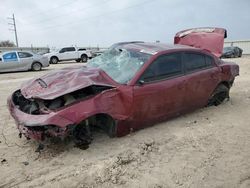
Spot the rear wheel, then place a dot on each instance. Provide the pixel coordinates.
(219, 95)
(36, 66)
(84, 58)
(54, 60)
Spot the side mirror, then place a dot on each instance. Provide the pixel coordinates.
(141, 82)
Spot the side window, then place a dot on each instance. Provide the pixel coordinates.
(10, 57)
(82, 49)
(71, 49)
(194, 61)
(163, 67)
(63, 50)
(24, 55)
(209, 61)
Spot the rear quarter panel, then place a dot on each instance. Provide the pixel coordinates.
(229, 70)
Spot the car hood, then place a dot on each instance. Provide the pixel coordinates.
(67, 80)
(206, 38)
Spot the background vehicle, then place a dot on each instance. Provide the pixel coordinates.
(22, 61)
(69, 54)
(232, 51)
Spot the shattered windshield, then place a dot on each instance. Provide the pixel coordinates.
(120, 64)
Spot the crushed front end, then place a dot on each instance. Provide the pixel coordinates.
(35, 120)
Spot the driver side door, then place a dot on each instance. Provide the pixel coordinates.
(161, 93)
(9, 62)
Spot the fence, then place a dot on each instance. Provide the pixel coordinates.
(32, 49)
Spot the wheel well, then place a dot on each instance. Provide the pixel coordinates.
(225, 83)
(84, 55)
(104, 122)
(54, 57)
(36, 62)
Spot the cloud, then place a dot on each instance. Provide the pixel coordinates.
(103, 22)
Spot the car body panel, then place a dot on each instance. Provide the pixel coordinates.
(207, 38)
(64, 81)
(133, 105)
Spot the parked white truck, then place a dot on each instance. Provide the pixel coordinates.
(69, 54)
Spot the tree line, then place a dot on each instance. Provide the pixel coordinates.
(7, 43)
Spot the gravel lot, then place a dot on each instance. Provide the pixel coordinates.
(207, 148)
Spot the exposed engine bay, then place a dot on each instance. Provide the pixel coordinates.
(40, 106)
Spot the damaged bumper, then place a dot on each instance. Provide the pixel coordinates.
(39, 127)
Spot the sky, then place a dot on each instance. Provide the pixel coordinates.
(59, 23)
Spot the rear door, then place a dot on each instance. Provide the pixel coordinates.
(26, 59)
(202, 76)
(161, 95)
(69, 53)
(9, 62)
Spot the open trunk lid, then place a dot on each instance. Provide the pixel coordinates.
(207, 38)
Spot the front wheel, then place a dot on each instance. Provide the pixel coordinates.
(219, 95)
(36, 66)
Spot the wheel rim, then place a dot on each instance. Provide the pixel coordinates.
(84, 58)
(219, 98)
(36, 66)
(54, 60)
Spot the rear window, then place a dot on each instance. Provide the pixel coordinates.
(209, 61)
(24, 54)
(70, 49)
(194, 61)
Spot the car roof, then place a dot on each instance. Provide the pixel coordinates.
(151, 47)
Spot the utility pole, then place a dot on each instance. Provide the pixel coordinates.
(13, 23)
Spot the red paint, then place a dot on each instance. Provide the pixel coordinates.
(210, 39)
(133, 106)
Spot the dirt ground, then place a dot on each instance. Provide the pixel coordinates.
(207, 148)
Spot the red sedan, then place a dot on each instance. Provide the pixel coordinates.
(129, 87)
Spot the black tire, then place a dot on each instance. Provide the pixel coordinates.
(219, 95)
(54, 60)
(84, 58)
(36, 66)
(78, 60)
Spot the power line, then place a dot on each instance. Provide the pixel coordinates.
(97, 16)
(57, 7)
(13, 24)
(62, 15)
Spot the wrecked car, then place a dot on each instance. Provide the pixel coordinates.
(130, 86)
